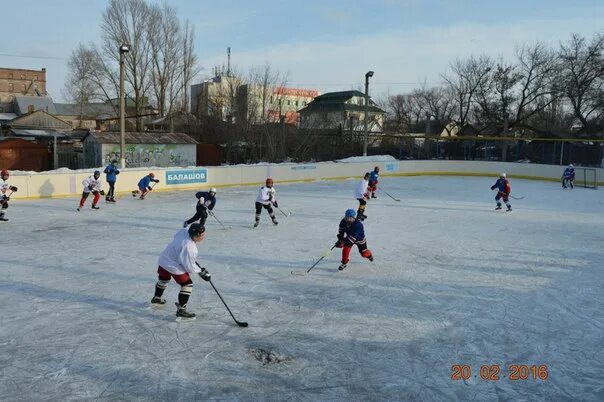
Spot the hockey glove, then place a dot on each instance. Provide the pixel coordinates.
(341, 237)
(91, 187)
(205, 275)
(3, 198)
(210, 213)
(339, 244)
(275, 204)
(102, 192)
(13, 188)
(150, 188)
(493, 188)
(157, 181)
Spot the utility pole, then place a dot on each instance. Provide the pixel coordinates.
(366, 119)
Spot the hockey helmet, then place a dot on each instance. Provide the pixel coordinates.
(376, 169)
(503, 175)
(213, 190)
(97, 174)
(196, 229)
(367, 174)
(151, 175)
(350, 213)
(269, 181)
(4, 173)
(570, 165)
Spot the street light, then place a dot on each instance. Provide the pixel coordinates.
(365, 121)
(123, 50)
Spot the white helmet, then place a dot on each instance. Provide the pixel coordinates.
(503, 175)
(570, 165)
(213, 190)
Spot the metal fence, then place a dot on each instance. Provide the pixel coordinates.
(588, 152)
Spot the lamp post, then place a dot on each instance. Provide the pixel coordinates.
(123, 50)
(365, 120)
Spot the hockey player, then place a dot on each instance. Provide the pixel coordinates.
(205, 204)
(144, 185)
(362, 195)
(4, 197)
(351, 232)
(111, 173)
(178, 261)
(504, 190)
(374, 175)
(568, 177)
(266, 199)
(92, 184)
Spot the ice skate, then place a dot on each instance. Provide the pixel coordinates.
(183, 314)
(498, 207)
(95, 207)
(342, 267)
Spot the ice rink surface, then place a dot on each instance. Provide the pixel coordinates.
(454, 282)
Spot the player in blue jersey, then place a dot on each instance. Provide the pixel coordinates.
(374, 175)
(351, 232)
(144, 185)
(568, 177)
(205, 204)
(503, 191)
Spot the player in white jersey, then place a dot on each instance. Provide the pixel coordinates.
(178, 261)
(362, 195)
(266, 199)
(92, 184)
(5, 191)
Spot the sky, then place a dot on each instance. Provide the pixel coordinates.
(326, 45)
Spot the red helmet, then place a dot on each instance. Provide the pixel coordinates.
(4, 173)
(269, 181)
(151, 175)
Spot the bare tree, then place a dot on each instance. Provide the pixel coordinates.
(188, 64)
(583, 76)
(125, 22)
(163, 31)
(463, 82)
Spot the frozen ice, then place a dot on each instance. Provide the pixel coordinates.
(453, 282)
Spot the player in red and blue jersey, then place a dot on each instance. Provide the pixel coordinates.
(503, 191)
(568, 177)
(351, 232)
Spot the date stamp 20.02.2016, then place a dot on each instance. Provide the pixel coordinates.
(495, 372)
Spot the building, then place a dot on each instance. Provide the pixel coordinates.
(142, 149)
(16, 81)
(231, 99)
(86, 116)
(345, 110)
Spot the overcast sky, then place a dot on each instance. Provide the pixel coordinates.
(321, 44)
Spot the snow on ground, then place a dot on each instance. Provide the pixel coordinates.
(454, 282)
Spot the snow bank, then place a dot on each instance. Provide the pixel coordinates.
(372, 158)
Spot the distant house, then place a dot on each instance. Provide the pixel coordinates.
(29, 104)
(344, 110)
(142, 149)
(86, 116)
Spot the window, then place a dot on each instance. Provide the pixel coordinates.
(11, 87)
(22, 76)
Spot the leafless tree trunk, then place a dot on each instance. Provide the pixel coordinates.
(464, 81)
(125, 22)
(582, 65)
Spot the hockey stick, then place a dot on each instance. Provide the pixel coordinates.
(315, 264)
(287, 215)
(240, 323)
(385, 192)
(221, 224)
(517, 198)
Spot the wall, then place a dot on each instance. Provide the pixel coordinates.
(141, 155)
(66, 184)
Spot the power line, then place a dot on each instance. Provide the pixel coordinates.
(24, 56)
